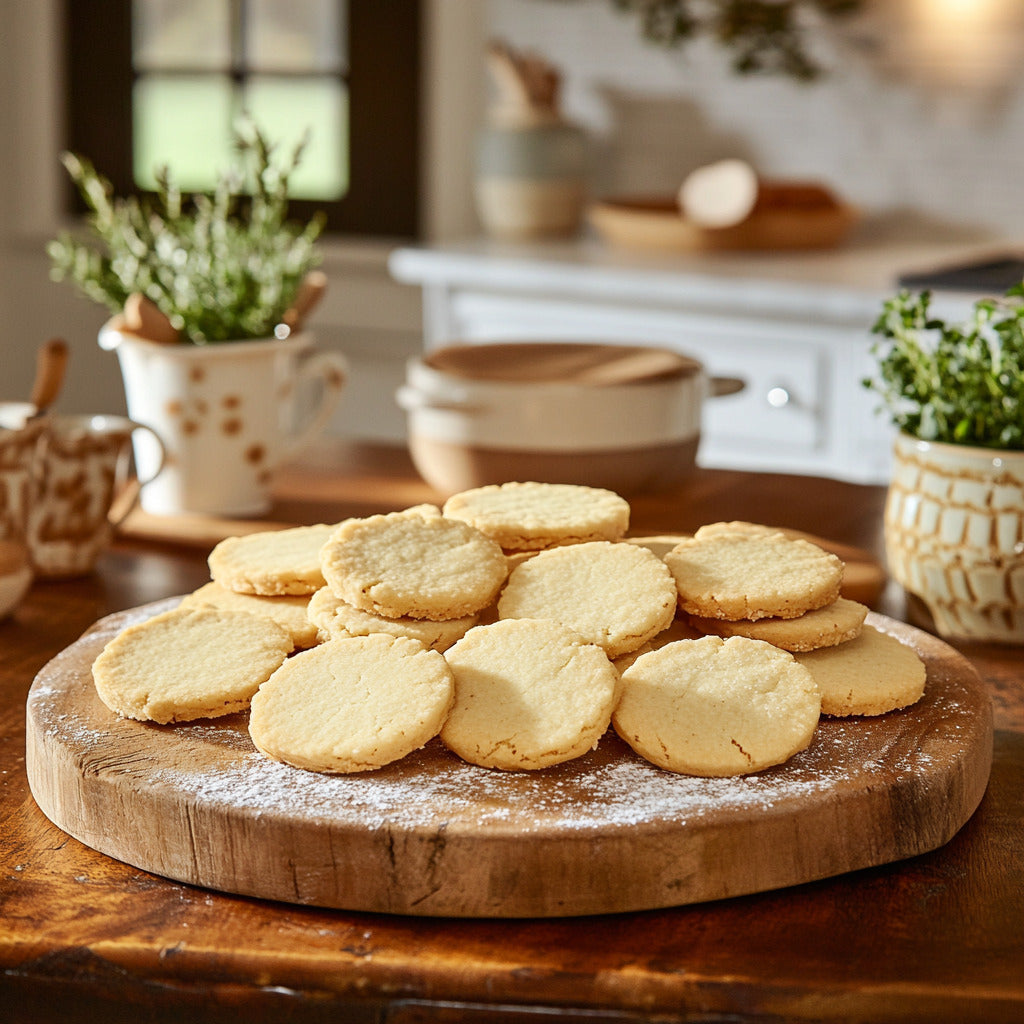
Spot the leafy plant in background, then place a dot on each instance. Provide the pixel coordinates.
(955, 383)
(765, 36)
(223, 265)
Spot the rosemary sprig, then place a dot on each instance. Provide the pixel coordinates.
(223, 266)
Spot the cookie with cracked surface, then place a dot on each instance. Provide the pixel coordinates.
(189, 663)
(272, 562)
(405, 564)
(352, 705)
(530, 516)
(870, 675)
(614, 595)
(834, 624)
(717, 707)
(334, 619)
(741, 575)
(529, 693)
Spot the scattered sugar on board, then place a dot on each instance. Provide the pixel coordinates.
(607, 787)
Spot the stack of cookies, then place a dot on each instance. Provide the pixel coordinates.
(742, 579)
(517, 624)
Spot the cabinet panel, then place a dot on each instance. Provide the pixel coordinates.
(780, 411)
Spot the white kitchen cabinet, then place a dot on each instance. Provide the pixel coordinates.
(794, 328)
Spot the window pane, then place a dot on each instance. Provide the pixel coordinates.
(184, 122)
(177, 34)
(284, 108)
(295, 35)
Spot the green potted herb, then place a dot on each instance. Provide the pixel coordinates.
(954, 517)
(222, 266)
(207, 296)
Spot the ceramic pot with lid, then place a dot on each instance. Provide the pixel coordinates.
(625, 417)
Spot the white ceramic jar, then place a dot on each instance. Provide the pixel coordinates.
(623, 417)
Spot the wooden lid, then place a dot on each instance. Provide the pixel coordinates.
(587, 363)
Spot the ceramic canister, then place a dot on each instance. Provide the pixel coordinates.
(530, 180)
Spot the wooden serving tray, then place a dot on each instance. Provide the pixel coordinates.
(654, 223)
(431, 835)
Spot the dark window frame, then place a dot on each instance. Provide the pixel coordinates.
(383, 79)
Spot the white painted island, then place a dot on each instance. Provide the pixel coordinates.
(795, 327)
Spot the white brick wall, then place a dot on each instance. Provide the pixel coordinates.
(913, 118)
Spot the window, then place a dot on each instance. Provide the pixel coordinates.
(162, 81)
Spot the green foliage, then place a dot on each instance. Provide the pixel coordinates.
(221, 266)
(765, 36)
(955, 383)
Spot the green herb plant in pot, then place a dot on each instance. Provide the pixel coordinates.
(208, 296)
(954, 515)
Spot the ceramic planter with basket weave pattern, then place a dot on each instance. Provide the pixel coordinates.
(954, 536)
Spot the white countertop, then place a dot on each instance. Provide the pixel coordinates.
(845, 285)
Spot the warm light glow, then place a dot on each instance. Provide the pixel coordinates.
(966, 41)
(961, 8)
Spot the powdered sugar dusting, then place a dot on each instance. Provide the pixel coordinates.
(214, 763)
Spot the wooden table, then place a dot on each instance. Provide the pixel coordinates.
(84, 938)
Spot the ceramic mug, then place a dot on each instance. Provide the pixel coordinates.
(78, 480)
(84, 490)
(19, 448)
(227, 414)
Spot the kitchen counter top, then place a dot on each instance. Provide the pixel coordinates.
(845, 284)
(939, 937)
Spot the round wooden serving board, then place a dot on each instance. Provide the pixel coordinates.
(431, 835)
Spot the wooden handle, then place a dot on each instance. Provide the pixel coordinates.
(143, 318)
(310, 292)
(528, 85)
(51, 363)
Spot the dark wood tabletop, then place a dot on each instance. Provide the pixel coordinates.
(936, 938)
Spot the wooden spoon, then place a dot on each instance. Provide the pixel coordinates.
(51, 364)
(310, 292)
(143, 318)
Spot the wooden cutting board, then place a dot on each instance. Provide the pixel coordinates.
(432, 835)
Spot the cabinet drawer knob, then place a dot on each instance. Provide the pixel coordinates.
(779, 396)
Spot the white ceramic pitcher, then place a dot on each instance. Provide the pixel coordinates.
(228, 414)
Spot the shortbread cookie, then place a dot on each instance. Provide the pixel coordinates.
(660, 543)
(529, 693)
(740, 575)
(614, 595)
(272, 562)
(334, 619)
(426, 509)
(834, 624)
(409, 565)
(289, 611)
(863, 578)
(739, 526)
(531, 516)
(715, 707)
(679, 629)
(870, 675)
(189, 663)
(352, 705)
